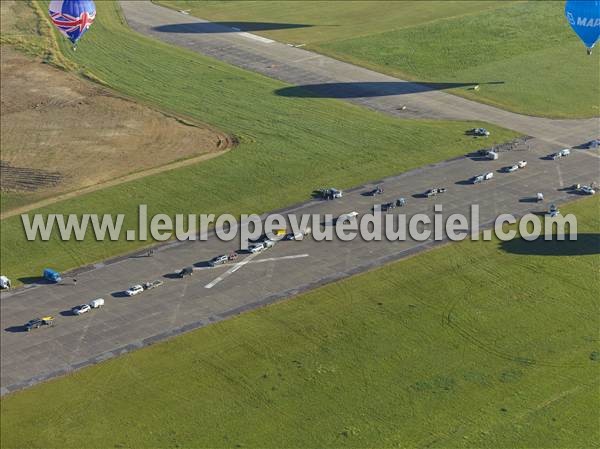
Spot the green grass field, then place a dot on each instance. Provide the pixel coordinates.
(541, 66)
(476, 344)
(288, 146)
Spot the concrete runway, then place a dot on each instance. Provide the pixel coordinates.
(328, 77)
(290, 267)
(125, 324)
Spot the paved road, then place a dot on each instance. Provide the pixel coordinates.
(125, 323)
(332, 78)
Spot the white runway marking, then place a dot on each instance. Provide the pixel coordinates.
(239, 265)
(560, 178)
(256, 37)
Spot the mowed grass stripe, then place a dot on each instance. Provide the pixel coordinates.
(476, 344)
(288, 146)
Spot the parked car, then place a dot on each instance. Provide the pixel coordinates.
(219, 260)
(487, 176)
(539, 197)
(401, 202)
(349, 217)
(280, 232)
(256, 248)
(153, 284)
(587, 190)
(39, 322)
(377, 191)
(560, 154)
(522, 164)
(331, 193)
(565, 152)
(134, 290)
(511, 168)
(434, 191)
(299, 235)
(595, 143)
(81, 309)
(477, 179)
(187, 271)
(480, 132)
(268, 243)
(553, 211)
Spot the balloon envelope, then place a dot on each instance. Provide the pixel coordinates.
(72, 17)
(584, 18)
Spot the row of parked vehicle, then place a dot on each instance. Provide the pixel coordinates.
(49, 320)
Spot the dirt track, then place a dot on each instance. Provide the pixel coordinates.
(84, 135)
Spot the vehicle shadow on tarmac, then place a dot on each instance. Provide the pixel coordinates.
(28, 280)
(529, 199)
(15, 329)
(586, 244)
(368, 89)
(226, 27)
(119, 294)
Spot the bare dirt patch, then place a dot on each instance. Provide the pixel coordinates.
(53, 122)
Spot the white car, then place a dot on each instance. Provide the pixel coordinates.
(565, 152)
(134, 290)
(512, 168)
(219, 260)
(268, 243)
(587, 190)
(256, 248)
(482, 132)
(522, 164)
(349, 217)
(80, 310)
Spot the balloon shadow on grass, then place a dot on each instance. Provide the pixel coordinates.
(586, 244)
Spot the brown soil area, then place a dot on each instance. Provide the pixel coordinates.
(53, 122)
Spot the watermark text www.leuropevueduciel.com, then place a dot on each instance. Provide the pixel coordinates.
(374, 226)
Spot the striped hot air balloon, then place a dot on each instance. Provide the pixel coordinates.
(72, 17)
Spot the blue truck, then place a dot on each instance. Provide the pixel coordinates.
(51, 275)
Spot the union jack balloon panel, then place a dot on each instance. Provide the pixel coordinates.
(72, 17)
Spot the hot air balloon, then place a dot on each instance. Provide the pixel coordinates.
(584, 18)
(72, 17)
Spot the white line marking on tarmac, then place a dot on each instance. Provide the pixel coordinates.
(239, 265)
(560, 178)
(232, 270)
(255, 37)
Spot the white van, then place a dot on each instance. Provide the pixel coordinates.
(4, 282)
(492, 155)
(97, 303)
